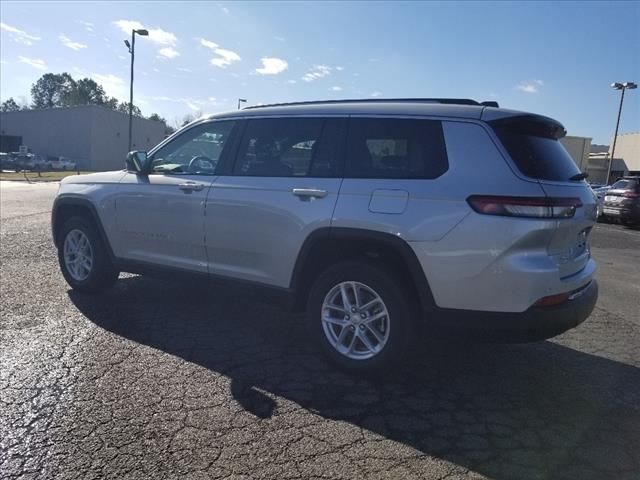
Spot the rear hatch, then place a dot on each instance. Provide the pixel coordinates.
(622, 193)
(533, 144)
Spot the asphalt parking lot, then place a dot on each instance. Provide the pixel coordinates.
(160, 379)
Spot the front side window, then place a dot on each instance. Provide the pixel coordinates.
(196, 152)
(395, 148)
(287, 147)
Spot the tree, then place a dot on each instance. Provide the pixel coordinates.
(124, 108)
(111, 102)
(10, 105)
(52, 90)
(86, 92)
(168, 130)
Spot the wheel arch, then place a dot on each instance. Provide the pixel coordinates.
(330, 245)
(66, 207)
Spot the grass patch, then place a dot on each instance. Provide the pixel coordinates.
(33, 176)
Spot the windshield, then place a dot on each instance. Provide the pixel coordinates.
(625, 184)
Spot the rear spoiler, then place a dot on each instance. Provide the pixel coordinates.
(530, 124)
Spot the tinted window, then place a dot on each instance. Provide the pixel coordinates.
(288, 147)
(196, 151)
(395, 148)
(625, 184)
(535, 150)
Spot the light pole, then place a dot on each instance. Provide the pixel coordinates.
(241, 100)
(132, 50)
(618, 86)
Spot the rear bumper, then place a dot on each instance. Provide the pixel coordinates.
(631, 213)
(536, 323)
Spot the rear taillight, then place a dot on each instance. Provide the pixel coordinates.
(528, 207)
(632, 195)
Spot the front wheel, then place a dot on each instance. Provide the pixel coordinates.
(360, 315)
(83, 257)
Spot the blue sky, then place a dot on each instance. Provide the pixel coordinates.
(557, 59)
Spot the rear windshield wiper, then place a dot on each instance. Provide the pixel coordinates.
(579, 176)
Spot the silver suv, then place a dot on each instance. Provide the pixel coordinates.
(378, 217)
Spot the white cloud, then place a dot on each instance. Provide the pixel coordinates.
(67, 42)
(317, 71)
(225, 10)
(183, 69)
(87, 25)
(339, 69)
(272, 66)
(375, 94)
(225, 58)
(156, 70)
(34, 62)
(3, 62)
(336, 89)
(291, 81)
(156, 35)
(114, 86)
(529, 86)
(208, 43)
(18, 35)
(168, 52)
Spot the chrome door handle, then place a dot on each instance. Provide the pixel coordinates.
(309, 192)
(191, 187)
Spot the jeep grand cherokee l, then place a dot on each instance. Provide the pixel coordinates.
(378, 217)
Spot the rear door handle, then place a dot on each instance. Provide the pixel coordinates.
(309, 192)
(189, 187)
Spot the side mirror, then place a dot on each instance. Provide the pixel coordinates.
(136, 161)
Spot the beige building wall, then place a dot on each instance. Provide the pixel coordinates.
(578, 148)
(628, 149)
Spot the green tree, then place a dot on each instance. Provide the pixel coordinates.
(111, 102)
(86, 92)
(168, 130)
(124, 108)
(10, 105)
(52, 90)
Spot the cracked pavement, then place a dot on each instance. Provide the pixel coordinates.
(167, 379)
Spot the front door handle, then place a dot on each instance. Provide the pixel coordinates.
(189, 187)
(309, 193)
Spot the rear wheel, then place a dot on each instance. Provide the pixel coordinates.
(360, 315)
(83, 257)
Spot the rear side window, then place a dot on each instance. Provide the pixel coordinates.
(288, 147)
(395, 148)
(535, 149)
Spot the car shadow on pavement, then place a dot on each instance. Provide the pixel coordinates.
(506, 411)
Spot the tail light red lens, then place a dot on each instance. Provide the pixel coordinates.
(527, 207)
(553, 300)
(632, 195)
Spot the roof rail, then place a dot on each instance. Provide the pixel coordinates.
(448, 101)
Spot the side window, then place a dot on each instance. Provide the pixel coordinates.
(395, 148)
(287, 147)
(197, 151)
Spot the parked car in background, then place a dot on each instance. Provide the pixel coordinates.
(600, 192)
(61, 163)
(376, 216)
(622, 201)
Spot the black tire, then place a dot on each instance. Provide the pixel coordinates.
(392, 292)
(102, 274)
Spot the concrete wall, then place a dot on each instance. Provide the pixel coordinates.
(110, 138)
(94, 137)
(628, 149)
(578, 148)
(56, 132)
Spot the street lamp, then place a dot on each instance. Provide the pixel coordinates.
(132, 46)
(241, 100)
(618, 86)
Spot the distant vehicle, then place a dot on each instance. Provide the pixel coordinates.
(622, 201)
(27, 161)
(376, 214)
(600, 193)
(61, 164)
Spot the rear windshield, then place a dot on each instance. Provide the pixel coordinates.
(536, 150)
(625, 184)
